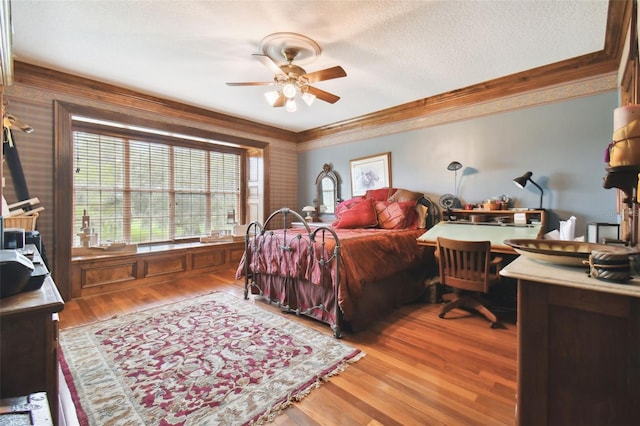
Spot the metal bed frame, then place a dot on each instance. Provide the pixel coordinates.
(316, 239)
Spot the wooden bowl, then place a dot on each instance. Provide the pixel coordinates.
(560, 252)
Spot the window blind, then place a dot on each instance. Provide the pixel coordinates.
(140, 190)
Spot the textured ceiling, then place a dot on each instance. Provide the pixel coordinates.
(394, 52)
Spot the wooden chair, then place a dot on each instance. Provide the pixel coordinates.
(468, 268)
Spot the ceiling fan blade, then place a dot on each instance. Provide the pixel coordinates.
(326, 74)
(255, 83)
(268, 62)
(281, 101)
(322, 95)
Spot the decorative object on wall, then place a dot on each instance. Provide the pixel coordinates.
(11, 121)
(370, 173)
(521, 182)
(308, 210)
(327, 190)
(289, 79)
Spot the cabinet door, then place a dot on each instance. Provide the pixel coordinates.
(578, 356)
(29, 356)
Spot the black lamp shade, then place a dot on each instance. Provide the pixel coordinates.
(454, 165)
(521, 181)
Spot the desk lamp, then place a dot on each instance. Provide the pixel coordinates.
(454, 166)
(521, 182)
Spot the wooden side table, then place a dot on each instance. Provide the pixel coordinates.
(29, 343)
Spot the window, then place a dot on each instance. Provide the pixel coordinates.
(146, 186)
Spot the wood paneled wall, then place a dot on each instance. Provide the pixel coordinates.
(32, 98)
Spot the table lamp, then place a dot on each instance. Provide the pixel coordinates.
(521, 182)
(308, 210)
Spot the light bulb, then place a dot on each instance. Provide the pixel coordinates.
(308, 98)
(272, 97)
(289, 90)
(291, 106)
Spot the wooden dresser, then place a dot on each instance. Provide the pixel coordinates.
(29, 343)
(578, 347)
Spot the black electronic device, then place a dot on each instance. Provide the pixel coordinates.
(15, 270)
(21, 270)
(13, 238)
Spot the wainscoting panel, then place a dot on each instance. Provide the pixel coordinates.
(97, 275)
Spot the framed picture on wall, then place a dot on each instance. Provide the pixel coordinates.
(370, 173)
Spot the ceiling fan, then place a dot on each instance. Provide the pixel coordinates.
(291, 79)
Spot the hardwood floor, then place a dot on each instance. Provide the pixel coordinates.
(419, 369)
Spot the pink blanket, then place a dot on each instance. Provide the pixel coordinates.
(367, 255)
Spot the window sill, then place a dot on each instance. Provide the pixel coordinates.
(149, 250)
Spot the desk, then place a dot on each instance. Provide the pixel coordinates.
(578, 346)
(480, 232)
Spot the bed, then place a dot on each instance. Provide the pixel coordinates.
(346, 274)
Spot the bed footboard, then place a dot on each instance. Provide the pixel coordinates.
(296, 269)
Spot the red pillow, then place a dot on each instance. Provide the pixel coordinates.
(360, 215)
(346, 205)
(380, 194)
(398, 215)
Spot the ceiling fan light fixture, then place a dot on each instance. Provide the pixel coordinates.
(289, 90)
(290, 79)
(272, 97)
(308, 98)
(291, 106)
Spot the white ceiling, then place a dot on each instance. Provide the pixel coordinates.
(394, 52)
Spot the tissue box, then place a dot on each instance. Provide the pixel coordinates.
(568, 229)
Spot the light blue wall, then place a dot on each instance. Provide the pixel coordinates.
(561, 143)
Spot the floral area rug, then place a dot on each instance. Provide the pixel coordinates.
(211, 360)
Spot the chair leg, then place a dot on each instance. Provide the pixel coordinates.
(486, 312)
(458, 302)
(466, 301)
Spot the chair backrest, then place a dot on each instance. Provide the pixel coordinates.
(465, 264)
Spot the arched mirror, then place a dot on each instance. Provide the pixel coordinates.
(328, 191)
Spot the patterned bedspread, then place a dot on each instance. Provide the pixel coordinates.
(367, 255)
